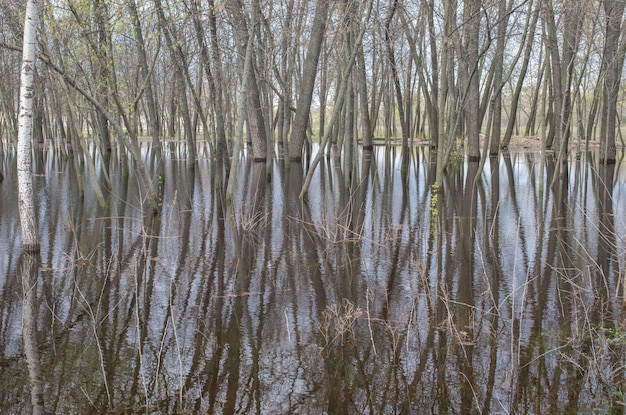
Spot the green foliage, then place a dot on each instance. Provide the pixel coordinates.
(456, 158)
(619, 401)
(616, 336)
(434, 208)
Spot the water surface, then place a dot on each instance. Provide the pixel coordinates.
(371, 295)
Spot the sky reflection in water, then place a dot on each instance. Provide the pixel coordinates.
(370, 296)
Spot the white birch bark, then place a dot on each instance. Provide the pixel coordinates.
(28, 270)
(30, 238)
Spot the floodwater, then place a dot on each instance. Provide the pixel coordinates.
(372, 295)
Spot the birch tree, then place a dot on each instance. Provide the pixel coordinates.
(30, 237)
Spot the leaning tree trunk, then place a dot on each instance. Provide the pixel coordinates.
(30, 237)
(515, 98)
(215, 88)
(341, 95)
(309, 73)
(148, 78)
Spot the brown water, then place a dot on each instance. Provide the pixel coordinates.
(372, 295)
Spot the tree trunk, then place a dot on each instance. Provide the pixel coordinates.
(153, 118)
(28, 221)
(289, 52)
(555, 72)
(214, 87)
(496, 125)
(520, 81)
(181, 82)
(323, 92)
(433, 107)
(442, 98)
(472, 107)
(341, 96)
(256, 123)
(612, 62)
(396, 83)
(222, 103)
(572, 23)
(309, 73)
(103, 76)
(247, 67)
(428, 95)
(366, 125)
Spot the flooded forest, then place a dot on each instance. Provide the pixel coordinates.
(312, 207)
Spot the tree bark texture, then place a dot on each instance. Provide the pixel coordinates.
(612, 63)
(26, 203)
(472, 107)
(256, 122)
(309, 74)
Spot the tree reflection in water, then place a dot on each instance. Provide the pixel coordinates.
(29, 272)
(370, 295)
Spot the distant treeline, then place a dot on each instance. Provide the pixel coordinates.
(279, 74)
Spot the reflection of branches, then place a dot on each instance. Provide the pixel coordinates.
(95, 323)
(338, 322)
(172, 316)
